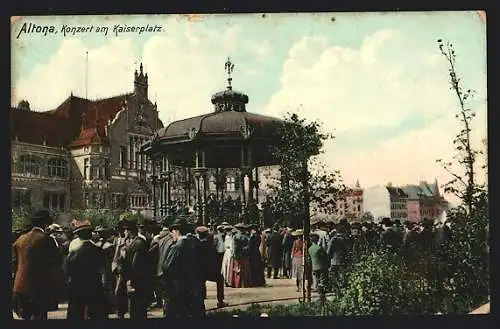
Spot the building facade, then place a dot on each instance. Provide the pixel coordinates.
(425, 201)
(350, 204)
(84, 154)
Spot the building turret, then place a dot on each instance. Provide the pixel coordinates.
(141, 83)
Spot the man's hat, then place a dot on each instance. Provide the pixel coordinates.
(386, 221)
(129, 224)
(179, 223)
(41, 216)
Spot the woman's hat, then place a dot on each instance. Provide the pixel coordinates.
(201, 229)
(240, 226)
(54, 228)
(298, 232)
(81, 225)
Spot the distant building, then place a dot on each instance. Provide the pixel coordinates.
(350, 204)
(386, 201)
(425, 201)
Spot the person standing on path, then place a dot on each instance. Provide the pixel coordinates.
(183, 273)
(136, 271)
(274, 253)
(297, 257)
(35, 258)
(319, 264)
(287, 253)
(86, 267)
(122, 242)
(210, 264)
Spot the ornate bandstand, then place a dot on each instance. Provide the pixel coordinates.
(228, 137)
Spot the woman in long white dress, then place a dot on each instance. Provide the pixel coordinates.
(228, 255)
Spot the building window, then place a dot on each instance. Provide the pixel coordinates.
(107, 171)
(123, 157)
(211, 184)
(58, 168)
(86, 174)
(54, 201)
(21, 198)
(230, 184)
(29, 164)
(359, 207)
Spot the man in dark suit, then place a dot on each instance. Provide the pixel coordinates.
(274, 253)
(183, 273)
(210, 264)
(137, 276)
(35, 259)
(86, 270)
(165, 242)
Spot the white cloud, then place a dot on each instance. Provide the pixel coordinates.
(350, 89)
(50, 83)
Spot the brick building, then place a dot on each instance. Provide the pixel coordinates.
(84, 153)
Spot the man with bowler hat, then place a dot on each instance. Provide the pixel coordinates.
(183, 274)
(35, 259)
(137, 276)
(86, 270)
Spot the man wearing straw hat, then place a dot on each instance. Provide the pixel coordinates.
(85, 266)
(35, 258)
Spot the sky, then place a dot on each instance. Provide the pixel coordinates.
(377, 81)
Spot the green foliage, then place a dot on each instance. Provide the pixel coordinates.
(466, 259)
(21, 218)
(295, 309)
(97, 217)
(304, 180)
(380, 284)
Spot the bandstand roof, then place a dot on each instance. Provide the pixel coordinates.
(222, 134)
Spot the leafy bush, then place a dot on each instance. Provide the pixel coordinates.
(296, 309)
(466, 283)
(97, 217)
(381, 284)
(21, 218)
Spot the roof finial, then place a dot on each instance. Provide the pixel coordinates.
(140, 67)
(229, 68)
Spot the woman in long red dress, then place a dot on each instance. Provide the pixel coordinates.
(297, 257)
(240, 276)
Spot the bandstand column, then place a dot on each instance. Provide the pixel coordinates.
(168, 188)
(153, 178)
(257, 184)
(200, 172)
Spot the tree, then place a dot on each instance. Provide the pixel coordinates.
(303, 181)
(466, 253)
(463, 185)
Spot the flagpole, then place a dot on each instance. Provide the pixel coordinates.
(86, 74)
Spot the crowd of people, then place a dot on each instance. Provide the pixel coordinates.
(132, 268)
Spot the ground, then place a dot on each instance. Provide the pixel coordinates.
(282, 290)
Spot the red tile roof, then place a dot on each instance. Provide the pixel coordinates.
(90, 136)
(39, 128)
(63, 126)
